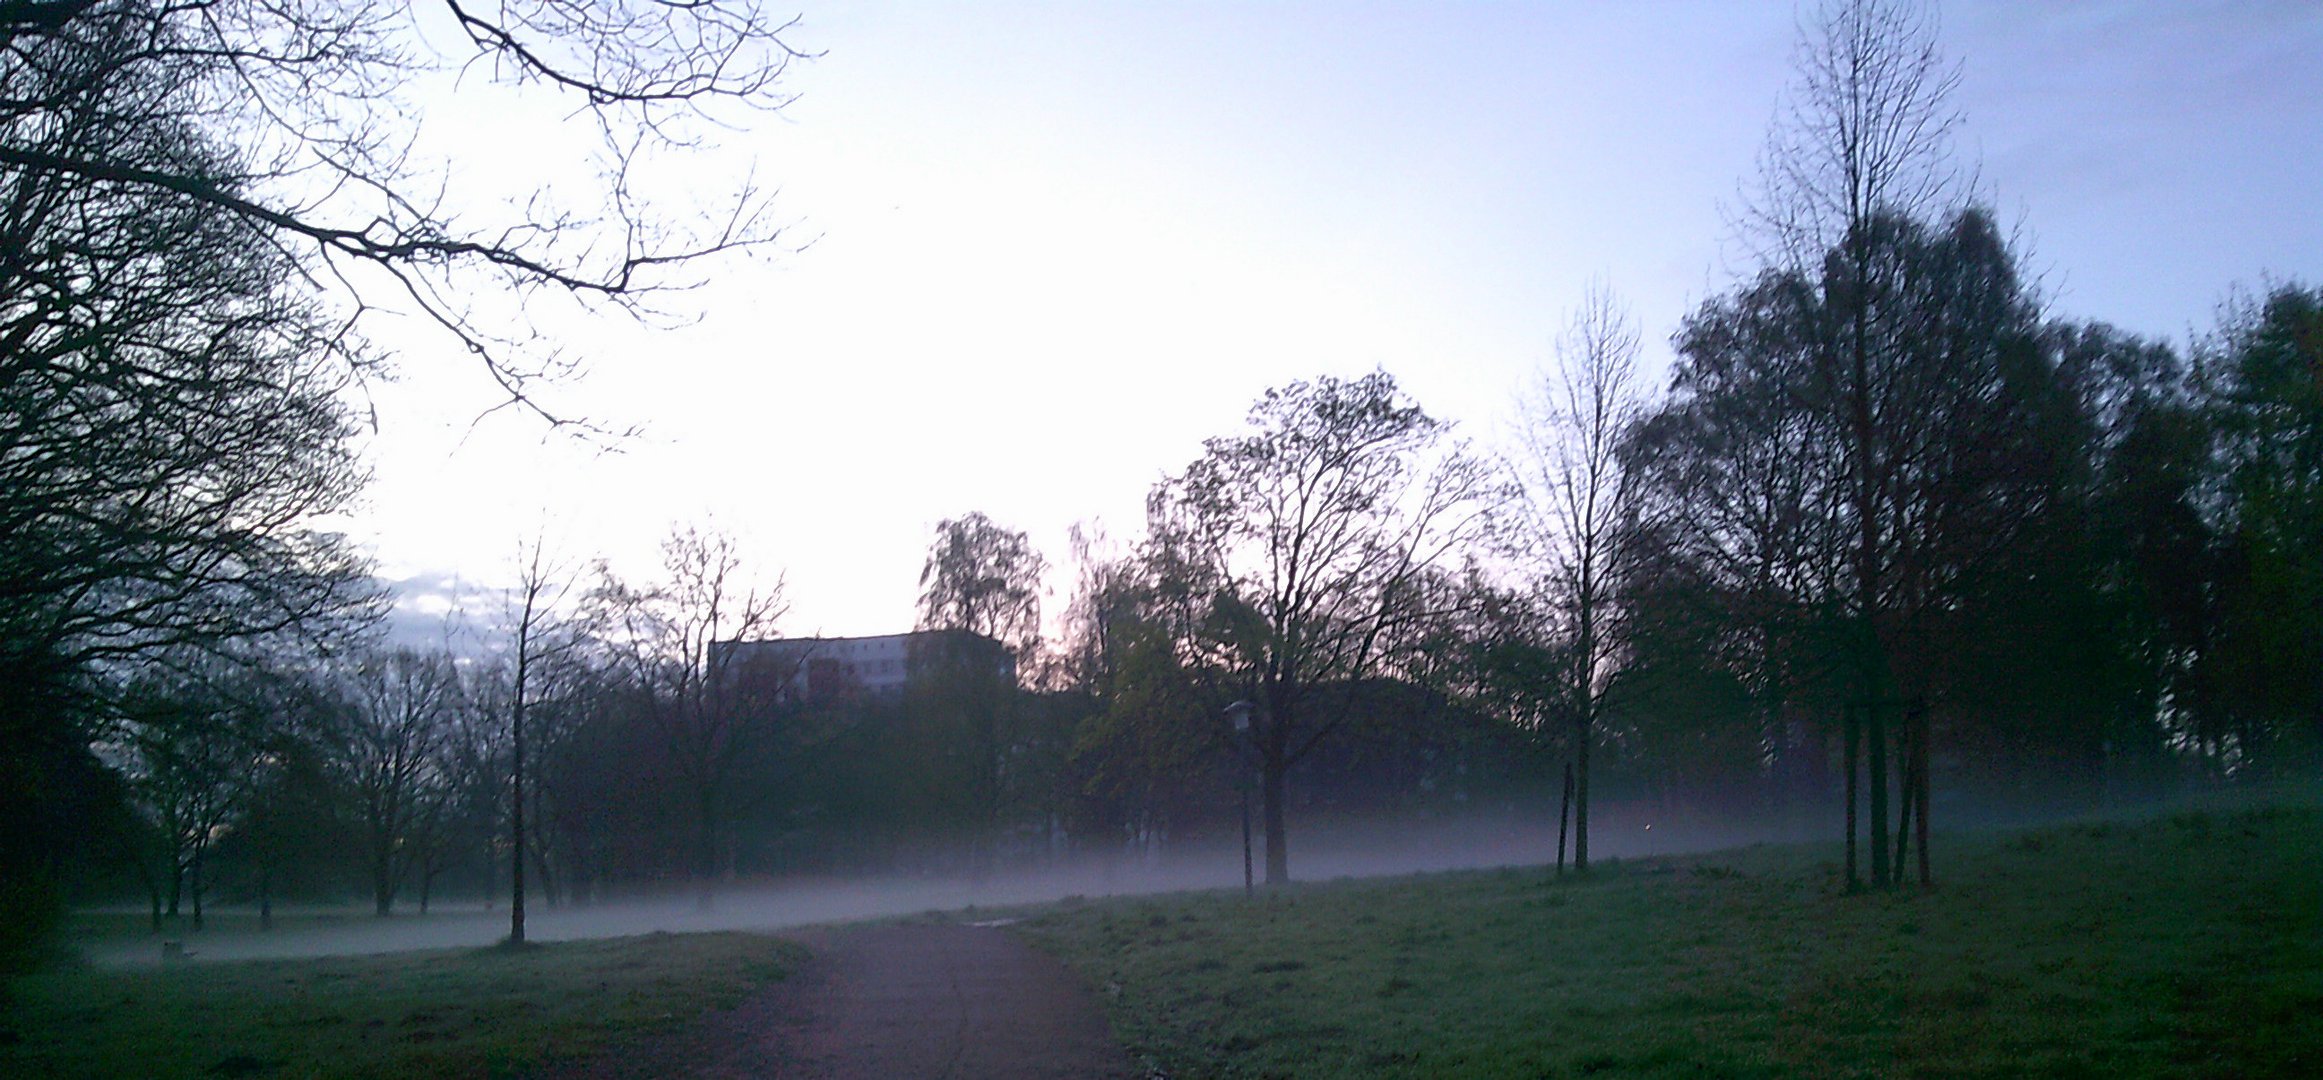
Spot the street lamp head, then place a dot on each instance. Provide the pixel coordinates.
(1238, 714)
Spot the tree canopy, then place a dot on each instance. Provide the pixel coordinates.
(307, 109)
(1314, 549)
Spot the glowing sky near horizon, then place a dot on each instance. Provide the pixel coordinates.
(1054, 246)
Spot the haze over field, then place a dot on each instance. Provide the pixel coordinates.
(1326, 853)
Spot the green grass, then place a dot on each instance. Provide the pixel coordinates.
(2186, 946)
(448, 1013)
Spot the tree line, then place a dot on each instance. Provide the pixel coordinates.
(203, 207)
(2102, 589)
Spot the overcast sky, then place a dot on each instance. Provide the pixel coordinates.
(1054, 246)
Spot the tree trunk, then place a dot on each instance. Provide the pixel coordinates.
(706, 850)
(1581, 797)
(152, 889)
(1866, 498)
(197, 888)
(1908, 752)
(1920, 775)
(1585, 688)
(516, 769)
(382, 886)
(1278, 859)
(1875, 736)
(1247, 877)
(1564, 815)
(544, 879)
(1854, 739)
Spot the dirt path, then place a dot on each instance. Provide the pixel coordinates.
(892, 1003)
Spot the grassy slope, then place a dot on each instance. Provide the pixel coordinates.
(450, 1013)
(2186, 946)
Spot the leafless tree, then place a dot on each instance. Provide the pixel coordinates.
(186, 756)
(542, 585)
(307, 110)
(397, 713)
(1307, 552)
(671, 640)
(171, 415)
(1577, 501)
(1865, 130)
(173, 426)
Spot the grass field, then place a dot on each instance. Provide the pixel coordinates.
(2185, 946)
(100, 925)
(448, 1013)
(2190, 945)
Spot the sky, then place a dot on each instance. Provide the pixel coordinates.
(1036, 253)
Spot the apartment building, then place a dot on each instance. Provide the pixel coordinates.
(833, 668)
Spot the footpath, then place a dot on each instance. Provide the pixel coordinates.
(895, 1002)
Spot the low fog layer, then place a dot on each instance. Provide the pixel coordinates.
(1318, 855)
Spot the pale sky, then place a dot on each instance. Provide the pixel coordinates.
(1057, 245)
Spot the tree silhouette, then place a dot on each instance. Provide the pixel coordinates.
(387, 747)
(984, 579)
(707, 719)
(1865, 140)
(1761, 458)
(172, 418)
(1579, 499)
(296, 133)
(537, 639)
(1307, 550)
(2264, 673)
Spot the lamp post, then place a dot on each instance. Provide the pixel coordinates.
(1238, 714)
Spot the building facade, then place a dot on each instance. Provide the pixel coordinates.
(819, 669)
